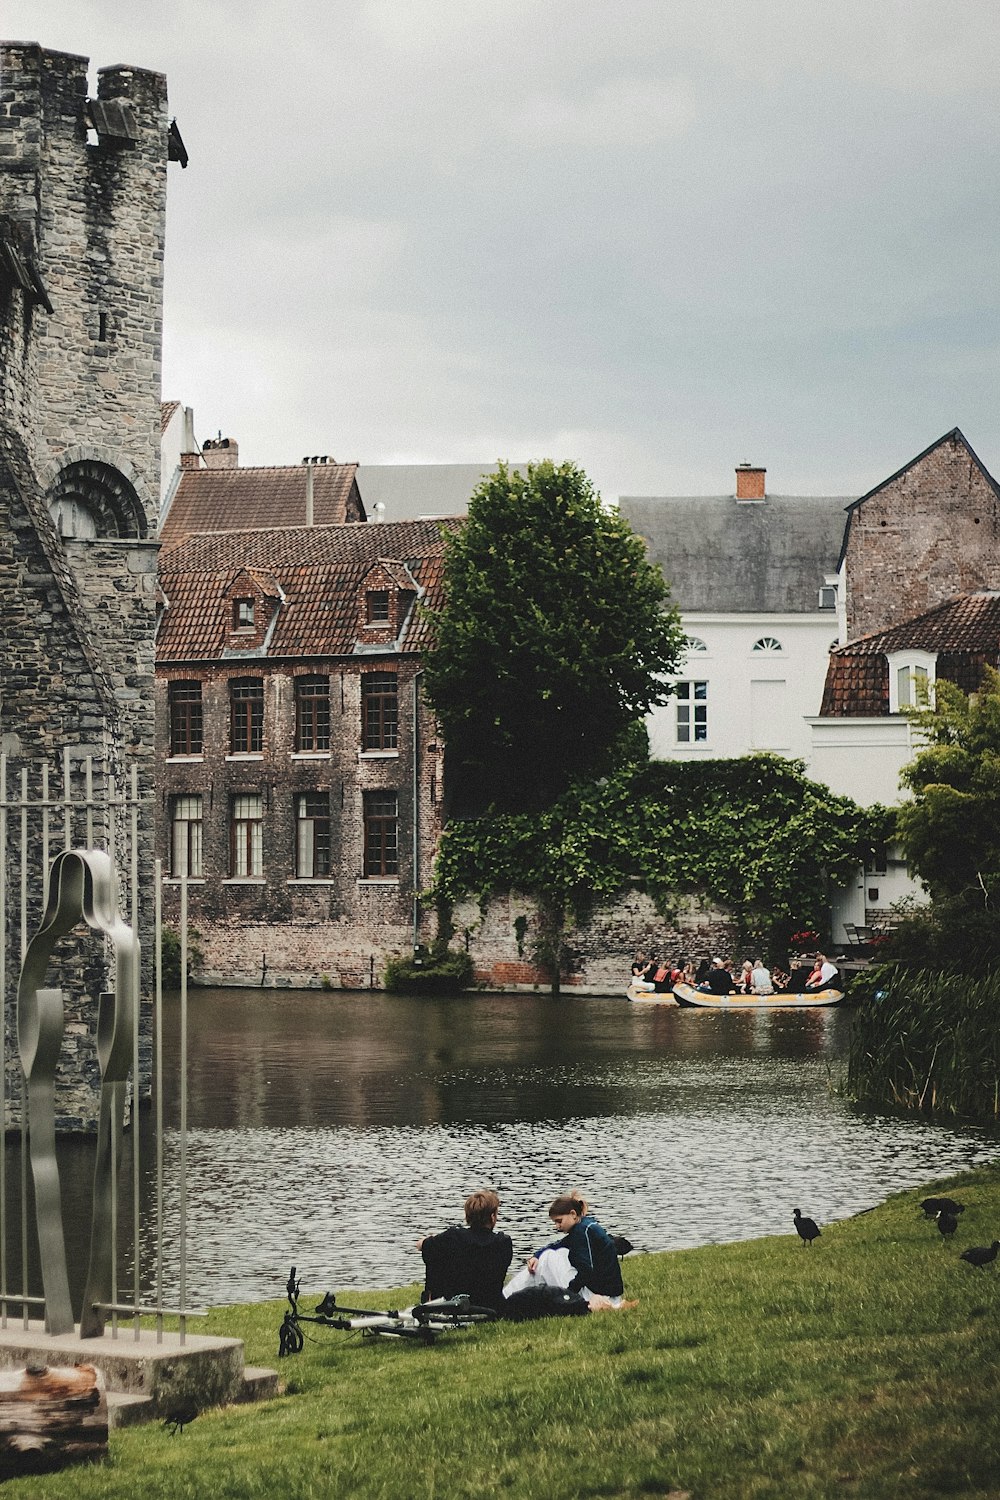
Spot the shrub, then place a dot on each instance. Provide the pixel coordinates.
(170, 956)
(442, 971)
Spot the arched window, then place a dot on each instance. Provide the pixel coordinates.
(767, 643)
(694, 643)
(92, 499)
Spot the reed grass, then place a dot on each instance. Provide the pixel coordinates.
(927, 1040)
(867, 1366)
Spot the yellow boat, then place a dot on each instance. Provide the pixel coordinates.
(686, 994)
(642, 996)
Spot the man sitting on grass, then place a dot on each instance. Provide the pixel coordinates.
(472, 1259)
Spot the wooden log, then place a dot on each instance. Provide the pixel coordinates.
(50, 1417)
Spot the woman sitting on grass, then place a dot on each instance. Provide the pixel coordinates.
(582, 1260)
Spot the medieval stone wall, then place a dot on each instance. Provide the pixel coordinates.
(930, 533)
(79, 429)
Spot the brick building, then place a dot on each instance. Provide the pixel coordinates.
(300, 770)
(82, 210)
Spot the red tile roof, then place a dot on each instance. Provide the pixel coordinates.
(320, 571)
(964, 634)
(167, 409)
(231, 499)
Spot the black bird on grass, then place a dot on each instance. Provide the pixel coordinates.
(981, 1255)
(179, 1416)
(808, 1229)
(947, 1223)
(934, 1206)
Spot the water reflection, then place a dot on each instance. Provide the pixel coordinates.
(332, 1129)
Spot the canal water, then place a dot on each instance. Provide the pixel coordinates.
(330, 1130)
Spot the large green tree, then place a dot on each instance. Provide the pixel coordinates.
(553, 641)
(951, 829)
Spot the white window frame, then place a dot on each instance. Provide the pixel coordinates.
(688, 701)
(186, 825)
(906, 667)
(246, 832)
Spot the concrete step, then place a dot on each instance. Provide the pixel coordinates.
(260, 1384)
(128, 1409)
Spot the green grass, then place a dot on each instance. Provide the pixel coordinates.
(868, 1365)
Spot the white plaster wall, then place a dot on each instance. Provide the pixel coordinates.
(756, 700)
(861, 758)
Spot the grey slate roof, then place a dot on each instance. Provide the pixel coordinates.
(720, 554)
(409, 491)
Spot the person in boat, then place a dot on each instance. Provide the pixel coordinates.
(761, 982)
(745, 981)
(702, 972)
(825, 976)
(473, 1258)
(799, 977)
(642, 972)
(719, 980)
(690, 972)
(583, 1259)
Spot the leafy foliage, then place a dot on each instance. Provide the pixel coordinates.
(951, 830)
(752, 834)
(553, 641)
(443, 971)
(170, 956)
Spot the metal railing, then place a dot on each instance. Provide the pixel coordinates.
(41, 816)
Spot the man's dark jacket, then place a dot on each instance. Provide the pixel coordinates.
(474, 1261)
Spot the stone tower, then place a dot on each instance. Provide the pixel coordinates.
(82, 215)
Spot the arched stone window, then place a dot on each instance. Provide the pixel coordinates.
(92, 499)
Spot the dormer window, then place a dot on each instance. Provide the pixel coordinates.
(244, 614)
(828, 596)
(911, 679)
(377, 607)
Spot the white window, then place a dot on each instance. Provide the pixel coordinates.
(767, 643)
(246, 837)
(312, 836)
(828, 596)
(911, 679)
(185, 837)
(694, 643)
(692, 712)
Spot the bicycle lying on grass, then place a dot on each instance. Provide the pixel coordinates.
(423, 1321)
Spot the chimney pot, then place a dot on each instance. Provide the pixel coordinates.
(750, 482)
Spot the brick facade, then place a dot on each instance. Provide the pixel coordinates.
(293, 733)
(928, 533)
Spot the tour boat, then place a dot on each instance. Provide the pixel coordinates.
(686, 994)
(650, 997)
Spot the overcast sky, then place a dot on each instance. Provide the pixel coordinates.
(658, 237)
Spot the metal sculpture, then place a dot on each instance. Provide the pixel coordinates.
(82, 887)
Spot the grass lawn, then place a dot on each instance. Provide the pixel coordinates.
(867, 1365)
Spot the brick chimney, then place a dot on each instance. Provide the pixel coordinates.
(749, 482)
(221, 453)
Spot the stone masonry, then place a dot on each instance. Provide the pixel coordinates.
(82, 210)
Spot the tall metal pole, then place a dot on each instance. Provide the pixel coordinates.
(416, 808)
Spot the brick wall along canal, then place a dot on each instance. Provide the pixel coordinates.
(330, 1130)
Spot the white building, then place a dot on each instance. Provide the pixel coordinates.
(755, 579)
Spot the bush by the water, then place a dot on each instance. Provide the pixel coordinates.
(442, 971)
(928, 1040)
(170, 956)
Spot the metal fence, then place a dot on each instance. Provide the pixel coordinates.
(84, 805)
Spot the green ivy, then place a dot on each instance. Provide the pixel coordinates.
(752, 835)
